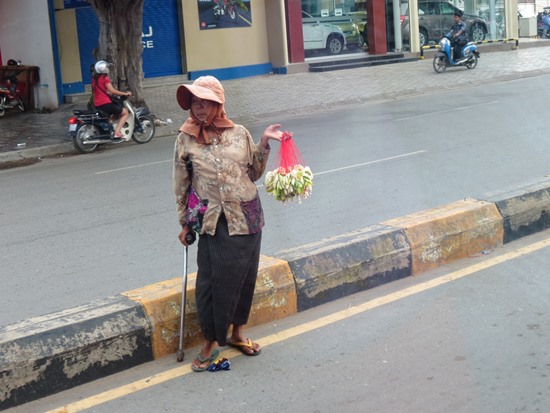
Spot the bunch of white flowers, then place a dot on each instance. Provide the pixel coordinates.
(289, 185)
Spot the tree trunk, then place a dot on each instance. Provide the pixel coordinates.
(120, 32)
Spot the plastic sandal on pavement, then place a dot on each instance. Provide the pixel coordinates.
(242, 346)
(208, 360)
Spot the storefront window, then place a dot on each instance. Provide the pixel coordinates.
(492, 12)
(327, 22)
(484, 19)
(333, 27)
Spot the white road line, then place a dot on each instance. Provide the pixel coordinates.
(358, 165)
(132, 167)
(391, 158)
(431, 114)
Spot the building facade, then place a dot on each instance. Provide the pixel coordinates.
(227, 38)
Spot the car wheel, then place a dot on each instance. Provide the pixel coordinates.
(423, 37)
(478, 33)
(335, 44)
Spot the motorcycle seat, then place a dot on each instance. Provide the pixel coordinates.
(87, 112)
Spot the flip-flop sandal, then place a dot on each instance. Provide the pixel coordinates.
(241, 346)
(201, 360)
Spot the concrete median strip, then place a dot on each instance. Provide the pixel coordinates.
(348, 263)
(444, 234)
(44, 355)
(275, 298)
(525, 209)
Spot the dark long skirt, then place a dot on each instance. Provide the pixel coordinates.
(226, 278)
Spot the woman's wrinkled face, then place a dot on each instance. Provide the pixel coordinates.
(201, 108)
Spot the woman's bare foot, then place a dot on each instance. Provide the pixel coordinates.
(245, 345)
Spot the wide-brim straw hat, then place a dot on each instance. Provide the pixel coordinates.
(204, 87)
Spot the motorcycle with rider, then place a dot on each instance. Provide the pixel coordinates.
(455, 49)
(10, 92)
(113, 118)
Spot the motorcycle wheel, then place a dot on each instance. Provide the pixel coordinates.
(85, 133)
(148, 125)
(472, 63)
(2, 103)
(233, 13)
(439, 64)
(20, 105)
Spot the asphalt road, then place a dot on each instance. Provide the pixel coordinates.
(86, 227)
(471, 337)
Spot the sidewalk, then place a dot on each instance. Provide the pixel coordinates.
(32, 135)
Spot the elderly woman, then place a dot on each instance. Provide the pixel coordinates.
(225, 163)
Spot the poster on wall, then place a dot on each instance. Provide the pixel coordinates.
(224, 14)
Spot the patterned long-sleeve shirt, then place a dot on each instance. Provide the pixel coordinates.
(223, 173)
(459, 27)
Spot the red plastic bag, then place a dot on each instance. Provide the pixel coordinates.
(288, 155)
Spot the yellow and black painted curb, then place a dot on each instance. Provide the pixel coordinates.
(44, 355)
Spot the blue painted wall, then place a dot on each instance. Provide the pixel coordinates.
(162, 50)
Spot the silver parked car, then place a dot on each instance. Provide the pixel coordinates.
(435, 18)
(320, 35)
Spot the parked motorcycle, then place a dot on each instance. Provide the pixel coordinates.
(226, 7)
(444, 56)
(10, 95)
(92, 128)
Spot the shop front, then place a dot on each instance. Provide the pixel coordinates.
(399, 24)
(486, 21)
(78, 31)
(334, 27)
(227, 39)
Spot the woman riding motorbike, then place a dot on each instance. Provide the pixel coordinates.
(102, 89)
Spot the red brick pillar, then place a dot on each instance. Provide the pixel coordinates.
(295, 34)
(376, 27)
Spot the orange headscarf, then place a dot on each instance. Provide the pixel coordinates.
(211, 128)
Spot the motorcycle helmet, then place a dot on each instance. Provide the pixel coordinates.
(12, 62)
(102, 67)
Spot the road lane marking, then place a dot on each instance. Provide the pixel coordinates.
(132, 167)
(171, 374)
(391, 158)
(359, 165)
(431, 114)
